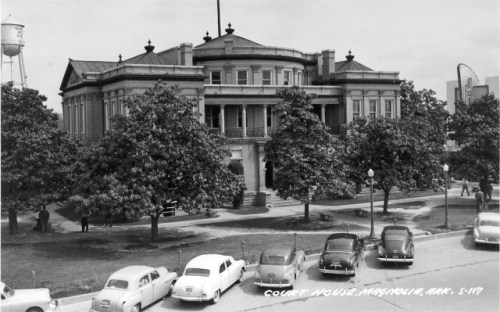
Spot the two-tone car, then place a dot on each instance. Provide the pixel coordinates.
(342, 254)
(487, 228)
(133, 288)
(396, 245)
(206, 277)
(26, 300)
(279, 266)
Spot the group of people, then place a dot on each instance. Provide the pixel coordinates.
(483, 194)
(85, 220)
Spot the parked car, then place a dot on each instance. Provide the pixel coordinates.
(487, 228)
(342, 254)
(396, 245)
(279, 266)
(206, 277)
(26, 300)
(133, 288)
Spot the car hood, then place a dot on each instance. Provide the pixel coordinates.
(31, 295)
(337, 256)
(394, 245)
(489, 231)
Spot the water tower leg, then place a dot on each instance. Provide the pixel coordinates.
(21, 69)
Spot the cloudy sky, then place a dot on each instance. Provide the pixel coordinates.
(424, 40)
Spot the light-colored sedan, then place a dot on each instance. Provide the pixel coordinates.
(133, 288)
(279, 266)
(487, 228)
(26, 300)
(206, 277)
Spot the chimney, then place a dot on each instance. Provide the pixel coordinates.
(186, 51)
(328, 64)
(228, 46)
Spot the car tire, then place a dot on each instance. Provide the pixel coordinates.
(240, 278)
(136, 308)
(34, 309)
(171, 288)
(216, 297)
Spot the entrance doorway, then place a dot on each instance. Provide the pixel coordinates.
(269, 174)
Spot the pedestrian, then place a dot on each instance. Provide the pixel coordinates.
(85, 221)
(108, 219)
(43, 216)
(489, 190)
(479, 201)
(465, 186)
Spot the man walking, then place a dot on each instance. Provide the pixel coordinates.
(85, 221)
(465, 186)
(480, 201)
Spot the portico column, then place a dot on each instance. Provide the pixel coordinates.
(222, 121)
(323, 113)
(262, 166)
(244, 121)
(264, 113)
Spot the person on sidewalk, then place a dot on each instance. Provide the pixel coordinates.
(465, 186)
(43, 216)
(85, 221)
(480, 201)
(108, 219)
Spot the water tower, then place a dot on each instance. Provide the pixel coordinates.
(12, 44)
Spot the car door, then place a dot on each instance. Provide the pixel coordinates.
(147, 290)
(159, 287)
(224, 277)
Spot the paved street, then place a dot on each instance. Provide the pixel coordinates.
(449, 274)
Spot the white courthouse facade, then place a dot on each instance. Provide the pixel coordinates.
(234, 81)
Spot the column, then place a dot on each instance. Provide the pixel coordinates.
(244, 119)
(264, 114)
(222, 121)
(262, 166)
(278, 74)
(255, 72)
(323, 113)
(228, 70)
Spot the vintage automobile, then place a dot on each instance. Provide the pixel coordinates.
(396, 245)
(133, 288)
(206, 277)
(342, 254)
(26, 300)
(487, 228)
(279, 266)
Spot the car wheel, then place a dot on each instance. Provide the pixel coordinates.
(240, 278)
(216, 297)
(34, 309)
(136, 308)
(171, 288)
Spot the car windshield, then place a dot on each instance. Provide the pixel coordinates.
(197, 272)
(114, 283)
(9, 292)
(395, 235)
(272, 260)
(340, 244)
(490, 223)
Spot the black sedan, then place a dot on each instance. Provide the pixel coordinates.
(396, 245)
(342, 254)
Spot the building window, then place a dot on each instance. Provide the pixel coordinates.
(240, 117)
(373, 109)
(113, 108)
(269, 116)
(215, 77)
(266, 77)
(106, 116)
(212, 116)
(299, 78)
(242, 77)
(287, 77)
(356, 108)
(388, 108)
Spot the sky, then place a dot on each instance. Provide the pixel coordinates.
(423, 40)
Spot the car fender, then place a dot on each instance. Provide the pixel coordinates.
(132, 300)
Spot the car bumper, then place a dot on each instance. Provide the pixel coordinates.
(487, 241)
(391, 259)
(191, 298)
(344, 271)
(273, 285)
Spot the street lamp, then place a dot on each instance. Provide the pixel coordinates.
(372, 230)
(445, 169)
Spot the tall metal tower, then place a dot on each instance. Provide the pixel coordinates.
(12, 45)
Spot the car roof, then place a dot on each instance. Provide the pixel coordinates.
(209, 261)
(342, 235)
(278, 249)
(131, 272)
(488, 215)
(396, 227)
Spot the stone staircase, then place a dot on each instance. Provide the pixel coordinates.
(276, 201)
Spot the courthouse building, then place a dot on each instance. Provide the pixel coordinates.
(234, 81)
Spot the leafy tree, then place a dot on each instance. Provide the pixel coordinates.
(395, 150)
(237, 169)
(475, 129)
(303, 151)
(157, 155)
(37, 156)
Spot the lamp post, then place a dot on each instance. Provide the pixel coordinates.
(445, 169)
(372, 230)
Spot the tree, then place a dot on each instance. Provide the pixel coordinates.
(237, 169)
(158, 155)
(475, 129)
(303, 151)
(395, 150)
(37, 157)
